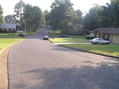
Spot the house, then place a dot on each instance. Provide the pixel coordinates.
(111, 34)
(8, 27)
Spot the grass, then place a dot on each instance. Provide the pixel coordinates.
(5, 42)
(13, 35)
(54, 33)
(57, 34)
(76, 36)
(66, 40)
(8, 38)
(104, 49)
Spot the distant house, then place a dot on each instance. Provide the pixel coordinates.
(111, 34)
(8, 27)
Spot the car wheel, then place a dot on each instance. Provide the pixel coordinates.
(107, 43)
(93, 43)
(96, 43)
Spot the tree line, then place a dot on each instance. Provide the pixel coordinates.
(102, 16)
(25, 16)
(63, 16)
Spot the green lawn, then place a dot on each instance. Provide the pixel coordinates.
(5, 42)
(57, 34)
(13, 35)
(104, 49)
(8, 38)
(66, 40)
(54, 33)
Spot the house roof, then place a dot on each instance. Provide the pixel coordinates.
(107, 30)
(10, 26)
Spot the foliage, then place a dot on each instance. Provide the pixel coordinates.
(62, 15)
(1, 15)
(89, 37)
(90, 20)
(46, 15)
(9, 18)
(78, 17)
(33, 16)
(18, 9)
(109, 16)
(102, 16)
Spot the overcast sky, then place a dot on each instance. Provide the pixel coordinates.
(83, 5)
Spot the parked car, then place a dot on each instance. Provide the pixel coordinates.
(19, 31)
(99, 41)
(22, 35)
(45, 38)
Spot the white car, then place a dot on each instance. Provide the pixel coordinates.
(19, 31)
(99, 41)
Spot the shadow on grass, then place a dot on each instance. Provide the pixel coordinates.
(104, 76)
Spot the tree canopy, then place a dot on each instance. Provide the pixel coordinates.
(1, 15)
(33, 16)
(62, 15)
(18, 9)
(102, 16)
(28, 15)
(9, 18)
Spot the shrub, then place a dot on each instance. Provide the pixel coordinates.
(89, 37)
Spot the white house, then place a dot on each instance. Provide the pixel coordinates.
(8, 27)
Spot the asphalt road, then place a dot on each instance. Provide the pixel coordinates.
(38, 64)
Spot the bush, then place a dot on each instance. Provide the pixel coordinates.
(89, 37)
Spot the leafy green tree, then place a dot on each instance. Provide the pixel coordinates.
(90, 20)
(33, 16)
(62, 15)
(78, 17)
(1, 15)
(47, 16)
(9, 18)
(103, 16)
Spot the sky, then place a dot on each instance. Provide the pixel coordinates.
(83, 5)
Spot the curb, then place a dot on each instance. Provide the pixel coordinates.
(4, 65)
(93, 52)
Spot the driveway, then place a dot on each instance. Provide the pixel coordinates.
(38, 64)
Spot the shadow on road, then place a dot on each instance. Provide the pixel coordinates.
(105, 76)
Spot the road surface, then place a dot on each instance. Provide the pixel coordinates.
(38, 64)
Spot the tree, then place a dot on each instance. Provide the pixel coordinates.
(9, 18)
(18, 9)
(1, 15)
(103, 16)
(47, 16)
(90, 20)
(33, 16)
(62, 15)
(78, 17)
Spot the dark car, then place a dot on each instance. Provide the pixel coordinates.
(45, 38)
(22, 35)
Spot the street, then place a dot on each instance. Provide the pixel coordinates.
(38, 64)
